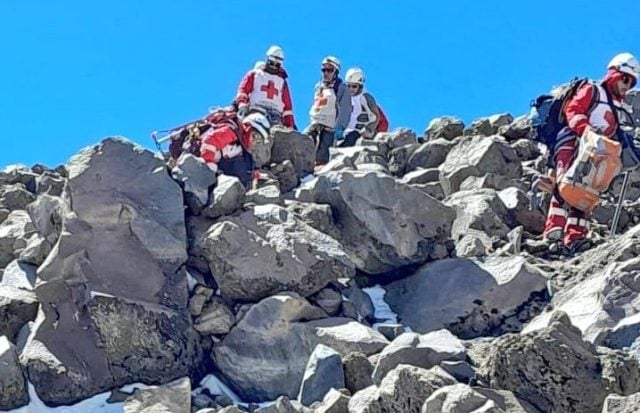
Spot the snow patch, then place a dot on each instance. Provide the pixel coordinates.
(382, 310)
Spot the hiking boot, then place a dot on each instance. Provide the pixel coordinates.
(580, 245)
(554, 234)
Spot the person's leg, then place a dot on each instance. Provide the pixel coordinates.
(558, 210)
(240, 167)
(325, 142)
(349, 140)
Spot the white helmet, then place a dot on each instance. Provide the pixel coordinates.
(275, 54)
(331, 61)
(355, 75)
(258, 122)
(258, 65)
(626, 63)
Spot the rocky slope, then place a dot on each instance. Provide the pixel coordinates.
(115, 270)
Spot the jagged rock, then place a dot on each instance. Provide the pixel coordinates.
(227, 196)
(17, 308)
(517, 204)
(399, 158)
(196, 179)
(397, 138)
(614, 403)
(405, 389)
(334, 402)
(50, 183)
(424, 351)
(481, 210)
(19, 275)
(520, 128)
(285, 172)
(488, 126)
(36, 251)
(13, 386)
(216, 318)
(174, 397)
(473, 244)
(462, 371)
(433, 189)
(555, 370)
(329, 300)
(267, 250)
(461, 398)
(266, 195)
(361, 302)
(154, 346)
(265, 354)
(295, 147)
(489, 181)
(381, 228)
(421, 176)
(201, 295)
(477, 156)
(357, 372)
(4, 213)
(390, 331)
(318, 216)
(47, 214)
(14, 197)
(430, 154)
(126, 210)
(14, 174)
(526, 149)
(445, 127)
(472, 298)
(323, 372)
(14, 232)
(284, 405)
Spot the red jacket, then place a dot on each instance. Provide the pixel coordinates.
(260, 87)
(590, 107)
(220, 141)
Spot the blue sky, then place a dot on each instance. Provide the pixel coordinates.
(73, 72)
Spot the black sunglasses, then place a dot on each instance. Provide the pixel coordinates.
(273, 63)
(353, 86)
(628, 80)
(328, 70)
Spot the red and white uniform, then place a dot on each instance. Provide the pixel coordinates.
(220, 142)
(589, 107)
(260, 88)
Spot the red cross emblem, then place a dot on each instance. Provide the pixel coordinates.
(321, 101)
(270, 90)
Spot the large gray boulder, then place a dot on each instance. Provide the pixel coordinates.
(517, 203)
(614, 403)
(461, 398)
(14, 233)
(357, 372)
(334, 402)
(323, 372)
(481, 210)
(445, 127)
(268, 249)
(227, 196)
(19, 275)
(471, 298)
(174, 397)
(47, 213)
(404, 389)
(13, 386)
(555, 370)
(477, 156)
(196, 179)
(126, 209)
(13, 197)
(488, 126)
(382, 227)
(295, 147)
(424, 351)
(429, 155)
(266, 353)
(399, 158)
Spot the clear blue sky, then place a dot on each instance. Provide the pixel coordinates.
(73, 72)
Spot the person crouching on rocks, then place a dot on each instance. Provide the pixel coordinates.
(364, 114)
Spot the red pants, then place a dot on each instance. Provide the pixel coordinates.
(564, 222)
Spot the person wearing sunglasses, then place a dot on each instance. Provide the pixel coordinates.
(265, 89)
(364, 115)
(595, 106)
(330, 111)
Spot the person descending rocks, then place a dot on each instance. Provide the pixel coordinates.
(265, 88)
(364, 114)
(592, 125)
(330, 111)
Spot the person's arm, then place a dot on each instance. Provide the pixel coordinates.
(287, 113)
(344, 107)
(244, 90)
(576, 111)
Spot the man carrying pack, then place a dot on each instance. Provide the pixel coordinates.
(364, 115)
(330, 111)
(592, 109)
(265, 88)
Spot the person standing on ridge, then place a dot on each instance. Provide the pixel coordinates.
(330, 111)
(265, 89)
(364, 114)
(594, 107)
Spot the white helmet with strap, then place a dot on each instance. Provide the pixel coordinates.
(355, 75)
(275, 54)
(259, 123)
(626, 63)
(331, 61)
